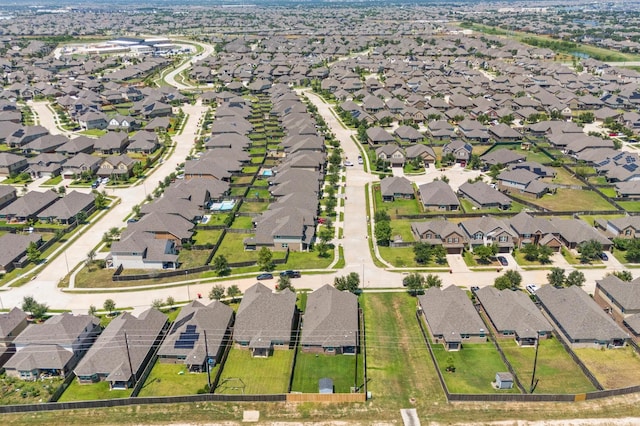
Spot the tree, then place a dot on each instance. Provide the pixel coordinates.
(109, 305)
(623, 275)
(284, 282)
(90, 258)
(502, 283)
(382, 233)
(322, 249)
(170, 301)
(485, 253)
(381, 216)
(100, 201)
(575, 278)
(33, 253)
(81, 217)
(40, 310)
(92, 310)
(216, 292)
(350, 282)
(440, 254)
(544, 254)
(233, 291)
(422, 252)
(414, 283)
(589, 250)
(530, 252)
(157, 303)
(432, 280)
(474, 162)
(515, 278)
(556, 277)
(28, 304)
(265, 259)
(221, 266)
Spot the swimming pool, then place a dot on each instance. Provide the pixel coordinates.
(267, 172)
(223, 206)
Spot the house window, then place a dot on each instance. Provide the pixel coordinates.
(455, 240)
(464, 336)
(285, 245)
(427, 236)
(526, 235)
(449, 240)
(627, 232)
(502, 238)
(477, 236)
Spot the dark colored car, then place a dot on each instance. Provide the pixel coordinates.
(265, 276)
(291, 274)
(503, 260)
(604, 256)
(474, 289)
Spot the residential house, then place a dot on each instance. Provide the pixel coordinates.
(144, 143)
(45, 165)
(7, 195)
(379, 136)
(391, 153)
(486, 231)
(534, 167)
(620, 227)
(75, 146)
(578, 318)
(502, 157)
(534, 230)
(330, 322)
(622, 299)
(52, 348)
(28, 206)
(522, 181)
(408, 134)
(573, 232)
(123, 350)
(396, 187)
(81, 163)
(117, 167)
(122, 122)
(65, 210)
(93, 120)
(460, 150)
(112, 143)
(163, 226)
(142, 250)
(484, 196)
(423, 153)
(13, 249)
(265, 320)
(513, 314)
(11, 324)
(451, 318)
(198, 336)
(11, 164)
(502, 133)
(472, 130)
(440, 130)
(438, 195)
(629, 190)
(440, 232)
(284, 228)
(44, 144)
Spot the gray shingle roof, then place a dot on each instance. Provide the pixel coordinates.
(391, 185)
(330, 318)
(578, 315)
(437, 193)
(625, 293)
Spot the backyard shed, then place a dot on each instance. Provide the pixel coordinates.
(325, 385)
(504, 380)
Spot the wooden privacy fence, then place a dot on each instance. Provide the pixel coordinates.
(326, 397)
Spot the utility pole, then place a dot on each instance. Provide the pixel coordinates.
(126, 343)
(206, 351)
(535, 363)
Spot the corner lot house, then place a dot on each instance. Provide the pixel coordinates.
(579, 320)
(197, 324)
(451, 318)
(330, 322)
(125, 344)
(513, 314)
(621, 298)
(13, 247)
(265, 320)
(52, 348)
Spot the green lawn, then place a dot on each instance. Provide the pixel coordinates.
(193, 258)
(563, 177)
(304, 260)
(399, 367)
(556, 372)
(208, 236)
(259, 375)
(173, 379)
(233, 249)
(397, 207)
(570, 200)
(404, 257)
(341, 368)
(242, 222)
(614, 368)
(476, 365)
(53, 181)
(253, 207)
(91, 392)
(630, 206)
(402, 227)
(16, 391)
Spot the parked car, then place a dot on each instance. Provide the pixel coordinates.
(531, 289)
(348, 163)
(95, 184)
(291, 274)
(360, 159)
(604, 256)
(474, 289)
(265, 276)
(503, 260)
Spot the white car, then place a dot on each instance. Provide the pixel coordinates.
(532, 288)
(348, 163)
(360, 161)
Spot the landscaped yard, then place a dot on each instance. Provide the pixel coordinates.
(243, 373)
(399, 367)
(206, 236)
(91, 392)
(470, 208)
(614, 368)
(173, 379)
(16, 391)
(556, 372)
(304, 260)
(476, 365)
(233, 249)
(397, 207)
(404, 257)
(310, 368)
(570, 200)
(242, 222)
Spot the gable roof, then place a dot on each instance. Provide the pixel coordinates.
(625, 294)
(330, 318)
(392, 185)
(437, 193)
(63, 329)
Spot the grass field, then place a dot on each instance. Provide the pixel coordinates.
(304, 260)
(476, 365)
(397, 207)
(208, 236)
(251, 207)
(556, 371)
(233, 249)
(341, 368)
(16, 391)
(614, 368)
(404, 257)
(630, 206)
(259, 375)
(91, 392)
(570, 200)
(398, 364)
(173, 379)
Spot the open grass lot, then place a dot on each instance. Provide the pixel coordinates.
(304, 260)
(253, 207)
(402, 227)
(173, 379)
(260, 375)
(341, 368)
(614, 368)
(398, 363)
(404, 257)
(242, 222)
(563, 177)
(556, 371)
(206, 236)
(397, 207)
(630, 206)
(233, 248)
(570, 200)
(16, 391)
(193, 258)
(476, 367)
(92, 392)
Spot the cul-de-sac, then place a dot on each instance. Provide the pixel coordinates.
(291, 212)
